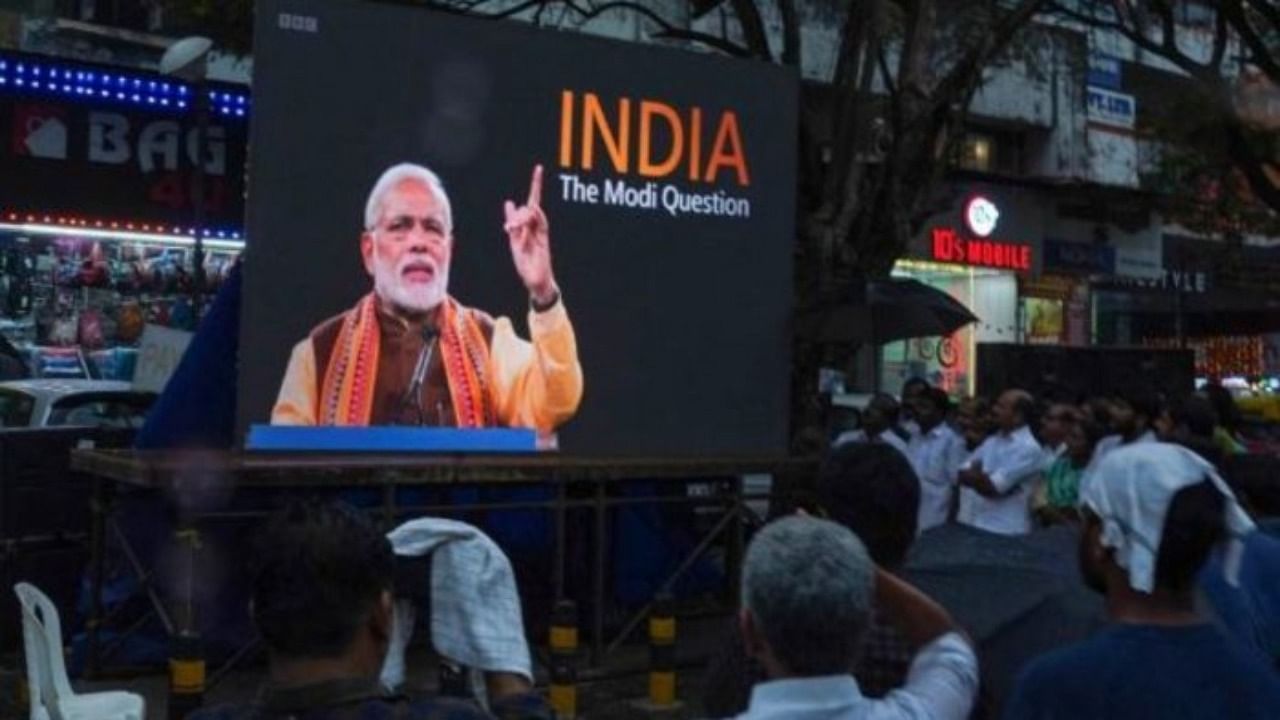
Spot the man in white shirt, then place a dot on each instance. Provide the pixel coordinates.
(807, 593)
(1132, 414)
(910, 390)
(995, 481)
(879, 425)
(936, 454)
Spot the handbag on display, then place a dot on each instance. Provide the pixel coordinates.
(66, 273)
(65, 330)
(130, 323)
(182, 316)
(107, 319)
(18, 296)
(59, 363)
(93, 270)
(91, 335)
(158, 313)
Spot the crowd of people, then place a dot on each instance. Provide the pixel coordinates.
(1040, 447)
(1161, 497)
(1160, 500)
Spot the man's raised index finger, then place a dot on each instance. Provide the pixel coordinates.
(535, 187)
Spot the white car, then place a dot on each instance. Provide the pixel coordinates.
(72, 403)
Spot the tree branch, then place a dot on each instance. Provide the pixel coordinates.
(791, 50)
(666, 30)
(972, 62)
(712, 41)
(841, 196)
(913, 63)
(753, 28)
(852, 39)
(853, 74)
(1260, 54)
(1134, 34)
(1220, 39)
(1267, 10)
(1168, 28)
(882, 63)
(1088, 20)
(1251, 165)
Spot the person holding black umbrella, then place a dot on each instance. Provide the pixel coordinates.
(936, 453)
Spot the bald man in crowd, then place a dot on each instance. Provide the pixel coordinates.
(995, 482)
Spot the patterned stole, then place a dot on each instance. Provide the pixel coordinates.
(346, 395)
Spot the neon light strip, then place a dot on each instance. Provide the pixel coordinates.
(146, 227)
(122, 236)
(127, 88)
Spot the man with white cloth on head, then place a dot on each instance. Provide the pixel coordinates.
(995, 481)
(475, 607)
(1153, 513)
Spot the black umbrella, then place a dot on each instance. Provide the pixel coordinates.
(1018, 596)
(894, 309)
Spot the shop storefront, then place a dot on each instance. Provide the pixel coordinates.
(1223, 301)
(975, 254)
(1054, 310)
(96, 240)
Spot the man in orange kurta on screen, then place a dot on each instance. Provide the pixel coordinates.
(408, 353)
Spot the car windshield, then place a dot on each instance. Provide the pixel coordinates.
(15, 408)
(116, 410)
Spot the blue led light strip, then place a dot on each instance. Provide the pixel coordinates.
(26, 75)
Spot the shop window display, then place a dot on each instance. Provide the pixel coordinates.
(76, 307)
(949, 362)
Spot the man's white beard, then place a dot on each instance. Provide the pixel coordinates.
(389, 284)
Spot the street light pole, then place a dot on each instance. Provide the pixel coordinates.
(188, 59)
(198, 197)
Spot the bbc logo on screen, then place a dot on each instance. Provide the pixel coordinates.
(299, 23)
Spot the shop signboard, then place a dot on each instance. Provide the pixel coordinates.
(82, 144)
(1140, 257)
(1105, 71)
(977, 241)
(1110, 108)
(1061, 256)
(1190, 282)
(1239, 266)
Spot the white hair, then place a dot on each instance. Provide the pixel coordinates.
(808, 585)
(397, 174)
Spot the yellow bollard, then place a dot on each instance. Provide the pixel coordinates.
(186, 676)
(662, 654)
(564, 651)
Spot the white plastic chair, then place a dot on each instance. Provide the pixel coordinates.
(50, 690)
